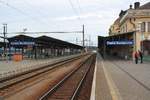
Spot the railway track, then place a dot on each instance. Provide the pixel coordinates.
(76, 85)
(7, 82)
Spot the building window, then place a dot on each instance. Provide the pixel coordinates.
(148, 26)
(143, 27)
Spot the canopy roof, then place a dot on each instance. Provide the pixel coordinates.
(44, 41)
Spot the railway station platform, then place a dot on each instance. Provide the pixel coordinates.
(11, 67)
(117, 79)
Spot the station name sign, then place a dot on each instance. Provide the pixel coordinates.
(22, 43)
(119, 42)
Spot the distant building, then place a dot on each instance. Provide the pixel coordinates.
(135, 19)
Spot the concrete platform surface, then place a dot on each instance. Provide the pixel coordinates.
(102, 91)
(122, 80)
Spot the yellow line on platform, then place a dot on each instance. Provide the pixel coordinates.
(112, 87)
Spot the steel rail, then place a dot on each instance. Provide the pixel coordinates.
(50, 92)
(34, 72)
(81, 82)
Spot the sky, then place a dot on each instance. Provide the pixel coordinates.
(62, 15)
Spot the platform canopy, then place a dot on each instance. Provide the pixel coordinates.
(56, 42)
(2, 44)
(42, 41)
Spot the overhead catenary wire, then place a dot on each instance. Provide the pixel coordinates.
(22, 12)
(80, 10)
(45, 32)
(34, 18)
(38, 20)
(42, 13)
(39, 11)
(75, 11)
(79, 6)
(85, 21)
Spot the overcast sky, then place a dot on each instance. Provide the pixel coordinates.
(63, 15)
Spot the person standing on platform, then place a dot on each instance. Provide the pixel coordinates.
(136, 57)
(140, 55)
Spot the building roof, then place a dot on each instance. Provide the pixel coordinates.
(21, 37)
(145, 6)
(122, 34)
(57, 42)
(117, 21)
(44, 41)
(122, 13)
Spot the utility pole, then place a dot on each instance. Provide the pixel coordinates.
(4, 31)
(83, 35)
(5, 43)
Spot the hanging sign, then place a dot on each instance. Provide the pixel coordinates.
(22, 43)
(130, 42)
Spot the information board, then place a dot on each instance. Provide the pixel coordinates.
(22, 43)
(119, 42)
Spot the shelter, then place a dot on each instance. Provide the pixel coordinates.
(41, 47)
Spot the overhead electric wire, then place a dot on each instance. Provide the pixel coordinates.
(39, 11)
(79, 6)
(46, 32)
(42, 13)
(22, 12)
(81, 11)
(75, 11)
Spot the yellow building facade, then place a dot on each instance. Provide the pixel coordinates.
(136, 20)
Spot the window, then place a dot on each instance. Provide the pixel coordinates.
(148, 26)
(143, 27)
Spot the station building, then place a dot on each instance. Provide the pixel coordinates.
(40, 47)
(132, 24)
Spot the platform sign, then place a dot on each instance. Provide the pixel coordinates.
(120, 42)
(22, 43)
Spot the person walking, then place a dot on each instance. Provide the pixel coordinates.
(136, 57)
(140, 55)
